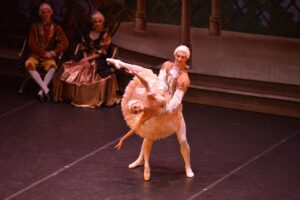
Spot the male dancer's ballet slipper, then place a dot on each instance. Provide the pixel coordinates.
(189, 172)
(136, 163)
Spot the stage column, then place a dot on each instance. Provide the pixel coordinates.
(214, 19)
(185, 25)
(140, 17)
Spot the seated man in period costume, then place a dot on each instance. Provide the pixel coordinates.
(46, 41)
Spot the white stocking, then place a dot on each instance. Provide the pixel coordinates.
(48, 77)
(37, 77)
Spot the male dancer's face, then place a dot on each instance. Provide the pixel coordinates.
(46, 15)
(180, 59)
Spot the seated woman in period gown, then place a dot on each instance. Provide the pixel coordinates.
(88, 81)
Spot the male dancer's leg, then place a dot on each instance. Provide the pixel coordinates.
(140, 160)
(31, 64)
(47, 79)
(184, 146)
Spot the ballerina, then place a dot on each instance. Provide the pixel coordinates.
(152, 103)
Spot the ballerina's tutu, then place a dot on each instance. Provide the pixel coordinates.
(157, 127)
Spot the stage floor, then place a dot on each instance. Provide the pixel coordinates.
(56, 151)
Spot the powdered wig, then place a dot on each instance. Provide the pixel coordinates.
(97, 15)
(184, 49)
(44, 6)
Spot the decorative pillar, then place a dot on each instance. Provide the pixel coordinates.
(140, 17)
(185, 25)
(214, 19)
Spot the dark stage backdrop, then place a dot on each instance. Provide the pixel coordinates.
(270, 17)
(279, 17)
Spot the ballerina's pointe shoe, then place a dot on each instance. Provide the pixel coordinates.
(136, 163)
(147, 173)
(189, 172)
(115, 62)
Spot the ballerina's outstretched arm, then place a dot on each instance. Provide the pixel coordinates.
(145, 116)
(122, 140)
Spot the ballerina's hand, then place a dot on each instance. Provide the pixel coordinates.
(118, 146)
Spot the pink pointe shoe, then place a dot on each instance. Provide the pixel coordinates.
(147, 173)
